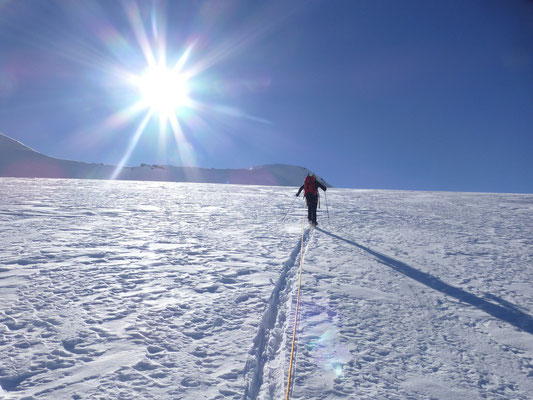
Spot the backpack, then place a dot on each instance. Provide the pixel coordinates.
(310, 186)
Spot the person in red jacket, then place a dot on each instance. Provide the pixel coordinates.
(310, 188)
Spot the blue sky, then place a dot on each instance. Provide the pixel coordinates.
(421, 95)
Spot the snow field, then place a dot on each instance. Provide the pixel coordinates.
(418, 295)
(133, 289)
(164, 290)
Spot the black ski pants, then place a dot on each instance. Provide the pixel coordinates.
(312, 203)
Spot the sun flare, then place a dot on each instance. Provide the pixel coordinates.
(163, 90)
(169, 96)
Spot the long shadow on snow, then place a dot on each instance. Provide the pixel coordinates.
(504, 311)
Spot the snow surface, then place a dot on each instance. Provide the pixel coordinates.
(156, 290)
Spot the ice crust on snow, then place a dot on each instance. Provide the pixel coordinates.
(116, 289)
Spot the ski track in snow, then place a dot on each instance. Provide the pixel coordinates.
(268, 340)
(164, 290)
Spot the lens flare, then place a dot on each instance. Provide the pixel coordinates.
(328, 353)
(322, 341)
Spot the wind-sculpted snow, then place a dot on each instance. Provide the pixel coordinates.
(156, 289)
(186, 291)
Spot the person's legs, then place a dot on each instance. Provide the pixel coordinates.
(312, 205)
(309, 208)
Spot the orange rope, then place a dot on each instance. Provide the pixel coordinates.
(297, 307)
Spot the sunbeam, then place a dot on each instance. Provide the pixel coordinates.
(140, 33)
(131, 147)
(185, 150)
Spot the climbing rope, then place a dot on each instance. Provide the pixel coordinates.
(297, 307)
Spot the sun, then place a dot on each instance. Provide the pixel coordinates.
(163, 90)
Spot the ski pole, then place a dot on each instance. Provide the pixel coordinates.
(327, 209)
(290, 208)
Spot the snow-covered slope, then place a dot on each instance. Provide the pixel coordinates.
(159, 290)
(8, 145)
(17, 160)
